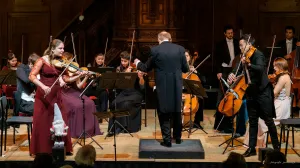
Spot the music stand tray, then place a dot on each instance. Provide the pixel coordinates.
(102, 69)
(194, 88)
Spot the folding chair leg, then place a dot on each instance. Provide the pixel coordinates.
(145, 117)
(14, 135)
(28, 134)
(5, 136)
(293, 137)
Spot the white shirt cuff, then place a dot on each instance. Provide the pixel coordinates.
(137, 62)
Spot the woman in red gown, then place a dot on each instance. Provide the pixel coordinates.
(43, 114)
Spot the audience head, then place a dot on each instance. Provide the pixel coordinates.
(43, 160)
(274, 159)
(86, 156)
(235, 160)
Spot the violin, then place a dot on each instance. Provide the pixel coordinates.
(73, 66)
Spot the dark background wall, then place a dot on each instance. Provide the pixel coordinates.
(196, 24)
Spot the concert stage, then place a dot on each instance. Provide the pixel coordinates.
(17, 155)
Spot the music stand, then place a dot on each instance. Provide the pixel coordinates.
(102, 69)
(118, 81)
(113, 115)
(84, 133)
(194, 88)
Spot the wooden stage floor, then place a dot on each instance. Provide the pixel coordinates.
(128, 147)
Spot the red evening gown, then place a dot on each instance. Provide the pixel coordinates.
(44, 110)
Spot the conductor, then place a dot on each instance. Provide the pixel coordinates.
(169, 62)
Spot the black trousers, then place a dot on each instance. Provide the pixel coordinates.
(165, 125)
(261, 104)
(102, 98)
(199, 113)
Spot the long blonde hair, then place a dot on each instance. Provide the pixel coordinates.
(55, 43)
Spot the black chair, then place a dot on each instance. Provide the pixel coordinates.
(291, 122)
(14, 120)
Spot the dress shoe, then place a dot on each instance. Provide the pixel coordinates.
(249, 152)
(237, 135)
(166, 144)
(178, 141)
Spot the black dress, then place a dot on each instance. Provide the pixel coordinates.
(128, 99)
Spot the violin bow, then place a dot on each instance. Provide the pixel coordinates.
(65, 39)
(22, 51)
(75, 56)
(65, 67)
(133, 34)
(105, 51)
(274, 38)
(197, 66)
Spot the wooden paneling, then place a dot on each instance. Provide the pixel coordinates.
(35, 29)
(153, 12)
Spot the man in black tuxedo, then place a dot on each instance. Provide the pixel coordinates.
(226, 50)
(288, 44)
(259, 95)
(169, 62)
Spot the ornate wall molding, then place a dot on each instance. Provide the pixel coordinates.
(279, 6)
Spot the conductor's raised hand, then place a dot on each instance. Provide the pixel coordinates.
(136, 61)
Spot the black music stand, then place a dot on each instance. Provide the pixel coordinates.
(194, 88)
(84, 133)
(113, 115)
(118, 81)
(102, 69)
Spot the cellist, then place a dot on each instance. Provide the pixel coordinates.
(199, 114)
(259, 93)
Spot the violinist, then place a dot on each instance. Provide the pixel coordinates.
(94, 89)
(43, 114)
(259, 93)
(282, 87)
(98, 61)
(199, 113)
(73, 104)
(12, 62)
(128, 99)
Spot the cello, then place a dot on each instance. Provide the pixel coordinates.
(191, 104)
(294, 70)
(233, 99)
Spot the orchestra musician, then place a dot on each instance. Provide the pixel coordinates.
(282, 87)
(44, 106)
(25, 88)
(12, 62)
(199, 114)
(94, 90)
(259, 94)
(128, 99)
(73, 103)
(169, 62)
(226, 51)
(289, 43)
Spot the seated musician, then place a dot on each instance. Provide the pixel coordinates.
(128, 99)
(94, 89)
(199, 114)
(73, 104)
(12, 62)
(25, 88)
(282, 87)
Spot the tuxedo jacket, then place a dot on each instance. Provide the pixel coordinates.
(283, 50)
(223, 55)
